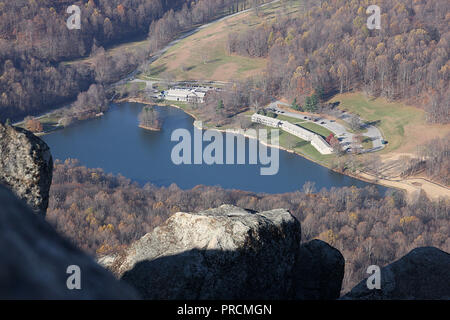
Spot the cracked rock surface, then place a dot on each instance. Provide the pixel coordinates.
(227, 253)
(26, 166)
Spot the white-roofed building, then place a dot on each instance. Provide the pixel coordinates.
(316, 141)
(297, 131)
(186, 95)
(267, 121)
(321, 145)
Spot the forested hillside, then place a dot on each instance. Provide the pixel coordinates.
(103, 213)
(329, 47)
(35, 45)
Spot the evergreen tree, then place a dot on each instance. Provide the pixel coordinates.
(295, 105)
(220, 105)
(314, 102)
(319, 92)
(308, 104)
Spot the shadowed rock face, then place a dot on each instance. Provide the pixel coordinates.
(226, 253)
(26, 166)
(424, 273)
(223, 253)
(34, 260)
(319, 271)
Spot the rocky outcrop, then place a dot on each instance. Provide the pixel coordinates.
(34, 260)
(319, 271)
(226, 253)
(424, 274)
(25, 166)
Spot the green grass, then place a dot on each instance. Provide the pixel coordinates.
(367, 144)
(390, 117)
(195, 68)
(289, 119)
(311, 126)
(203, 55)
(302, 147)
(183, 105)
(122, 47)
(141, 85)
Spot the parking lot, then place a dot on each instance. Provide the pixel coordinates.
(340, 131)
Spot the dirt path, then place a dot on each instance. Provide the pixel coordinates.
(411, 185)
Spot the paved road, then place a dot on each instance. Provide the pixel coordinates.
(148, 83)
(339, 130)
(372, 132)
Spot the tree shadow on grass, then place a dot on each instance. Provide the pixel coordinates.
(159, 69)
(371, 123)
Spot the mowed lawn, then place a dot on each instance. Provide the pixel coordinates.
(404, 127)
(311, 126)
(300, 146)
(303, 147)
(203, 55)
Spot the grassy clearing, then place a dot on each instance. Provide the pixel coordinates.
(367, 144)
(289, 119)
(181, 104)
(394, 119)
(302, 147)
(203, 55)
(127, 47)
(311, 126)
(141, 85)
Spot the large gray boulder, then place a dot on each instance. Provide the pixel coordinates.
(229, 253)
(34, 260)
(222, 253)
(423, 274)
(26, 166)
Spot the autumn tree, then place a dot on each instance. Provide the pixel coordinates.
(34, 125)
(149, 118)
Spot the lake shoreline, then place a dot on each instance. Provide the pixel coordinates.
(365, 178)
(149, 128)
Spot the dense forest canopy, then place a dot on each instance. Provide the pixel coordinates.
(326, 47)
(329, 46)
(36, 46)
(103, 213)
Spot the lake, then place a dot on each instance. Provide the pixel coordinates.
(116, 144)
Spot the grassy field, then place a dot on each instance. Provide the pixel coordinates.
(367, 144)
(300, 146)
(126, 47)
(140, 85)
(290, 119)
(404, 127)
(203, 55)
(311, 126)
(303, 147)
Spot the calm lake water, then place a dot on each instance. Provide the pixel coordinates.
(116, 144)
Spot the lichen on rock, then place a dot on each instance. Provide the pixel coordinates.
(228, 253)
(26, 166)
